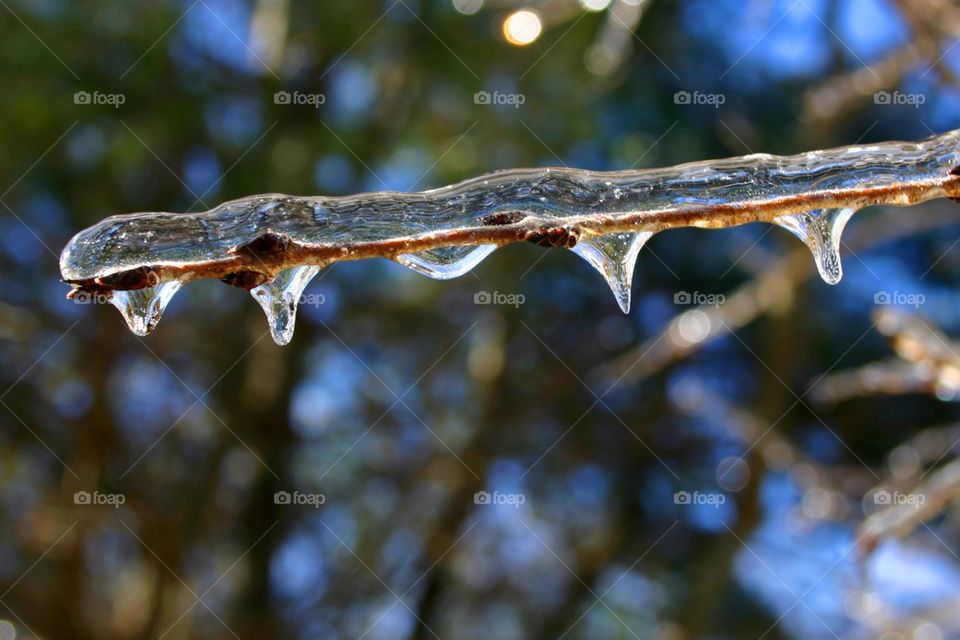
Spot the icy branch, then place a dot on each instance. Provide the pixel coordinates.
(274, 244)
(928, 361)
(897, 521)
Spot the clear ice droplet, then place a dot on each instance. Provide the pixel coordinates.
(615, 257)
(446, 262)
(279, 300)
(820, 230)
(142, 308)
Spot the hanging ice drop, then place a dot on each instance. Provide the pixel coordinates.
(279, 300)
(142, 308)
(615, 257)
(820, 230)
(446, 262)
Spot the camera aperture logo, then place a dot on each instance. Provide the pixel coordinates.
(297, 498)
(97, 98)
(687, 498)
(496, 297)
(497, 99)
(697, 98)
(298, 98)
(899, 298)
(99, 499)
(698, 298)
(511, 499)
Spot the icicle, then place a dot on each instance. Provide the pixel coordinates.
(279, 300)
(447, 262)
(142, 308)
(615, 256)
(820, 230)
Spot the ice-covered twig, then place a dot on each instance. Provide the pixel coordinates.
(273, 245)
(884, 377)
(927, 362)
(918, 342)
(938, 492)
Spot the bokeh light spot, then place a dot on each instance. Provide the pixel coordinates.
(522, 27)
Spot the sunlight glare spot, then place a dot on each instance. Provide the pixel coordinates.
(522, 27)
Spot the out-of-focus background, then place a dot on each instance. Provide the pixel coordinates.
(750, 453)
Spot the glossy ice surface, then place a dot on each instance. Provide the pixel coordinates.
(123, 243)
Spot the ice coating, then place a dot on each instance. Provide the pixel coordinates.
(605, 217)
